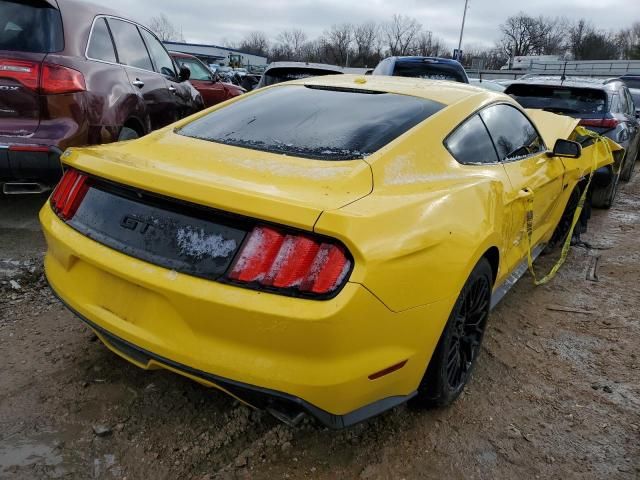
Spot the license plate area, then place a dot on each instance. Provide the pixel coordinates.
(181, 237)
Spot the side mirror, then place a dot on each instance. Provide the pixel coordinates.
(185, 73)
(638, 113)
(566, 148)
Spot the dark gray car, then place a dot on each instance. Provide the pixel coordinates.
(604, 106)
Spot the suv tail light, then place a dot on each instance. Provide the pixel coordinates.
(48, 78)
(58, 79)
(600, 122)
(297, 262)
(69, 193)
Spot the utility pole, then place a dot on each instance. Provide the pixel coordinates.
(464, 17)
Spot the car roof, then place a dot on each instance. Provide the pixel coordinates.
(559, 81)
(442, 91)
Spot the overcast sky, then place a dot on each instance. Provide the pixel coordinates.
(205, 21)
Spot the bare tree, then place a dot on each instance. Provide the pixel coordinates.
(164, 29)
(526, 35)
(255, 43)
(400, 34)
(290, 43)
(365, 37)
(428, 45)
(337, 42)
(628, 40)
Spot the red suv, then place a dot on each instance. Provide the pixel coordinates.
(73, 75)
(212, 89)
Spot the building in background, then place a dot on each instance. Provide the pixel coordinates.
(219, 55)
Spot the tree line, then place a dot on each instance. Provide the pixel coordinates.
(365, 44)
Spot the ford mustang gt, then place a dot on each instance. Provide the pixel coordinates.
(329, 246)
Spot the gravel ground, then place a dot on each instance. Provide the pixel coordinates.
(556, 393)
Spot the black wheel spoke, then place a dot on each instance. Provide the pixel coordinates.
(469, 319)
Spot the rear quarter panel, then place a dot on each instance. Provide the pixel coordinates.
(429, 220)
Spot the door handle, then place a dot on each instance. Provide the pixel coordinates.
(138, 83)
(172, 89)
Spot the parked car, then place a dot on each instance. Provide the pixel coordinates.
(210, 86)
(635, 95)
(278, 72)
(71, 74)
(429, 68)
(314, 247)
(487, 84)
(604, 106)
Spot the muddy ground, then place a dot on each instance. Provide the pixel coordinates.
(556, 393)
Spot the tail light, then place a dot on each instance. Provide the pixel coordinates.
(27, 73)
(299, 263)
(58, 79)
(600, 122)
(48, 78)
(69, 193)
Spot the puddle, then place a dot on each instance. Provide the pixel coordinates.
(25, 452)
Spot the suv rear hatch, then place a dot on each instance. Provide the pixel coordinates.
(587, 104)
(28, 31)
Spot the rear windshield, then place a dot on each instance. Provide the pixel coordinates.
(632, 82)
(311, 122)
(279, 75)
(30, 26)
(428, 71)
(567, 100)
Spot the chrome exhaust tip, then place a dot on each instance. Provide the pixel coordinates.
(24, 188)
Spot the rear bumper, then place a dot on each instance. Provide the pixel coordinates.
(24, 162)
(312, 355)
(281, 404)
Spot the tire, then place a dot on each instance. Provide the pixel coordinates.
(604, 197)
(627, 171)
(452, 362)
(564, 225)
(127, 133)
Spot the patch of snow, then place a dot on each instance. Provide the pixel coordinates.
(172, 275)
(285, 170)
(199, 244)
(402, 171)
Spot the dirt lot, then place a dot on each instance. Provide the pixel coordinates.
(556, 393)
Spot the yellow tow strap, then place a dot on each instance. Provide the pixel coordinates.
(576, 215)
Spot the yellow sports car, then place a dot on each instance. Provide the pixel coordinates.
(329, 246)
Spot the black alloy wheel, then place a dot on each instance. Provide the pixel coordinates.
(459, 345)
(470, 319)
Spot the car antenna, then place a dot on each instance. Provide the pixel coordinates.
(564, 71)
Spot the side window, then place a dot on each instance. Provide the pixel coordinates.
(614, 103)
(513, 134)
(159, 55)
(470, 143)
(131, 49)
(631, 108)
(100, 44)
(623, 103)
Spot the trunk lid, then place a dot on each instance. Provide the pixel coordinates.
(28, 31)
(268, 186)
(19, 98)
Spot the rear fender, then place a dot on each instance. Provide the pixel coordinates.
(416, 249)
